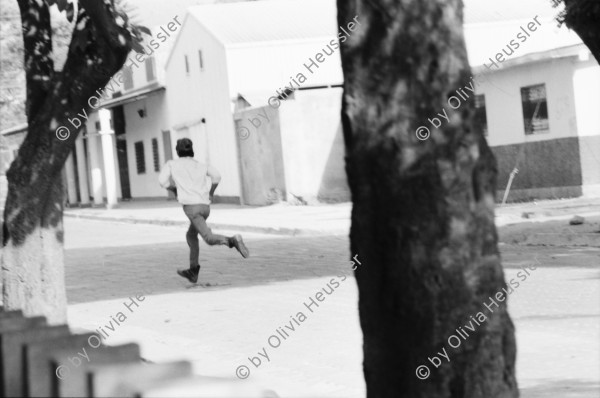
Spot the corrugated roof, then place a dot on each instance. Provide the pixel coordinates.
(274, 20)
(158, 12)
(268, 20)
(484, 41)
(488, 11)
(490, 25)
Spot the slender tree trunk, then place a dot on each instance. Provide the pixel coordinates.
(32, 256)
(423, 211)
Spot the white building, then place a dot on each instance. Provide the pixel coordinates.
(125, 143)
(219, 81)
(540, 102)
(251, 50)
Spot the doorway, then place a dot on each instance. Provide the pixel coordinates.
(118, 116)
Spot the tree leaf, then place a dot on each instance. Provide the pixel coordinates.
(137, 47)
(144, 29)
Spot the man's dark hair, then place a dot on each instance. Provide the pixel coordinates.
(184, 148)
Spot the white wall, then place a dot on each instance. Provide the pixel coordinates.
(586, 82)
(309, 127)
(159, 50)
(145, 129)
(203, 94)
(586, 85)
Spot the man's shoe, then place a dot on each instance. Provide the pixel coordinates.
(190, 274)
(238, 243)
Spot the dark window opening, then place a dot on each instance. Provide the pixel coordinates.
(139, 157)
(535, 109)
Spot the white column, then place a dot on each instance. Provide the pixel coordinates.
(84, 191)
(107, 136)
(96, 170)
(71, 188)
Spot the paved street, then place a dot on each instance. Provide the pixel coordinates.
(104, 258)
(241, 303)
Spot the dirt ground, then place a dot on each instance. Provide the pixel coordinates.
(552, 233)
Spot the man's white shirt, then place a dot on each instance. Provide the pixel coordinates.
(192, 178)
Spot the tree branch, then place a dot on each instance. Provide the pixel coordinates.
(583, 16)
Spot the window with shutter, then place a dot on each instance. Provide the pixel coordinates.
(140, 162)
(155, 155)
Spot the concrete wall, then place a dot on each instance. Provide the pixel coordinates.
(203, 94)
(313, 149)
(261, 156)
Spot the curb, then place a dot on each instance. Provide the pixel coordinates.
(230, 227)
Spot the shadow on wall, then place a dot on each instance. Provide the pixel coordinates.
(334, 183)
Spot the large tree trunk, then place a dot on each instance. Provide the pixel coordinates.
(32, 256)
(423, 210)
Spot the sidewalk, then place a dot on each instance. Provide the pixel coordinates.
(283, 219)
(326, 219)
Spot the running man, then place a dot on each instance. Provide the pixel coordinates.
(194, 184)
